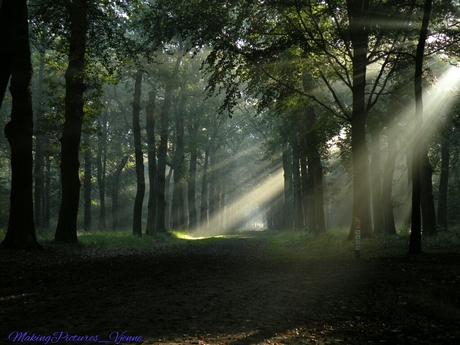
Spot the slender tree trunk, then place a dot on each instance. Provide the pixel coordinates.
(46, 194)
(191, 191)
(427, 198)
(115, 188)
(87, 184)
(304, 178)
(297, 191)
(415, 243)
(39, 159)
(151, 154)
(70, 141)
(443, 183)
(21, 228)
(319, 194)
(177, 218)
(387, 187)
(357, 12)
(377, 209)
(101, 170)
(204, 192)
(288, 199)
(163, 149)
(137, 212)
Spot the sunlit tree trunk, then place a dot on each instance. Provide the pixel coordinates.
(151, 154)
(21, 228)
(115, 188)
(443, 182)
(429, 223)
(204, 192)
(376, 183)
(163, 149)
(191, 191)
(66, 230)
(288, 199)
(357, 13)
(387, 186)
(415, 243)
(139, 157)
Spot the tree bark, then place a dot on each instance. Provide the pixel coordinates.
(101, 170)
(204, 192)
(191, 191)
(297, 191)
(376, 181)
(19, 131)
(163, 149)
(70, 141)
(115, 188)
(151, 155)
(139, 157)
(387, 187)
(357, 12)
(87, 184)
(415, 242)
(443, 182)
(288, 200)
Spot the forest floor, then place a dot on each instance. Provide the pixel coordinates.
(227, 291)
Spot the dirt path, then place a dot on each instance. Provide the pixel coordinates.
(221, 292)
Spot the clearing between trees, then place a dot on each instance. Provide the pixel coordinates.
(250, 288)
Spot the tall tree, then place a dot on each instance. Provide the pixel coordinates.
(151, 155)
(415, 243)
(87, 183)
(14, 35)
(66, 230)
(139, 156)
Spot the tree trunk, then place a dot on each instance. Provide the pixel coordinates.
(139, 157)
(101, 170)
(357, 12)
(376, 181)
(387, 187)
(427, 197)
(204, 192)
(163, 149)
(19, 131)
(39, 159)
(70, 141)
(443, 182)
(297, 191)
(46, 194)
(177, 217)
(115, 188)
(87, 184)
(415, 243)
(151, 154)
(288, 200)
(191, 191)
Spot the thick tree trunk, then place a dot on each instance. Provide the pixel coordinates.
(139, 157)
(87, 184)
(101, 170)
(21, 228)
(115, 188)
(377, 205)
(443, 183)
(357, 12)
(70, 141)
(163, 149)
(415, 243)
(387, 187)
(151, 154)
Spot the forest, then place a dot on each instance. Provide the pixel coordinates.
(213, 116)
(195, 172)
